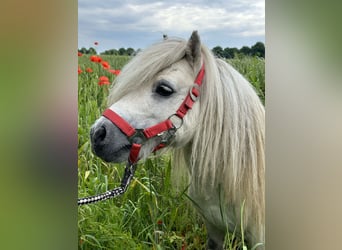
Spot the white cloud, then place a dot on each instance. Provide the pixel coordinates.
(178, 16)
(238, 18)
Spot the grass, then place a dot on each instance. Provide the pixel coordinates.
(151, 214)
(253, 69)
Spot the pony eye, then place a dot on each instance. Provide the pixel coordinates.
(164, 90)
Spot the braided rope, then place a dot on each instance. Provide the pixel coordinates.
(128, 175)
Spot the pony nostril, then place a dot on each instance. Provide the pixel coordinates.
(100, 134)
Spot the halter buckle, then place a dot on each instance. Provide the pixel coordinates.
(194, 92)
(167, 135)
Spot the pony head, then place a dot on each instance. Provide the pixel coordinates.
(150, 88)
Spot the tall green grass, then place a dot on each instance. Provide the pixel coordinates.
(151, 214)
(253, 69)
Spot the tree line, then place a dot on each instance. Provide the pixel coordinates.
(258, 49)
(121, 51)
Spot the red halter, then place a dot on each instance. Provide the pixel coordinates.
(164, 130)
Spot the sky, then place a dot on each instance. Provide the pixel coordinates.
(137, 24)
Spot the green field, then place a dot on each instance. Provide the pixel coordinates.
(151, 214)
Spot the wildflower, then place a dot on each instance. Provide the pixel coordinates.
(114, 71)
(96, 43)
(79, 71)
(103, 80)
(79, 53)
(94, 58)
(89, 70)
(105, 65)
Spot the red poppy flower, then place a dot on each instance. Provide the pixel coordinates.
(96, 43)
(103, 80)
(79, 53)
(89, 70)
(114, 71)
(79, 71)
(95, 59)
(105, 65)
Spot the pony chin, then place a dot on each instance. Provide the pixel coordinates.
(148, 148)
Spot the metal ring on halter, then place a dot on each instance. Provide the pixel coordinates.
(174, 124)
(192, 95)
(138, 137)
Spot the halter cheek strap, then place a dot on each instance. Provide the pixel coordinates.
(165, 130)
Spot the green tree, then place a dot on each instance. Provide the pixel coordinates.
(258, 49)
(130, 51)
(230, 53)
(122, 51)
(110, 52)
(218, 51)
(83, 50)
(92, 51)
(246, 50)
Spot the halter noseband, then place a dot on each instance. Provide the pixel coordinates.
(165, 130)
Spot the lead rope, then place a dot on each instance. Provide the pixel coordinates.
(128, 175)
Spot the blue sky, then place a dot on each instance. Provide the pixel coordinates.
(140, 23)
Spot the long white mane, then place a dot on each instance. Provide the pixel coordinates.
(227, 149)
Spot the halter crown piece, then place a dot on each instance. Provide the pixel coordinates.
(164, 130)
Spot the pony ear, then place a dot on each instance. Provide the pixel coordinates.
(193, 51)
